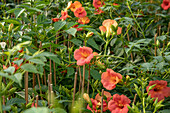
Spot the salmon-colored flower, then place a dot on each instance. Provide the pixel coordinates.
(83, 55)
(55, 19)
(78, 29)
(98, 3)
(110, 78)
(64, 15)
(84, 20)
(102, 29)
(96, 105)
(119, 30)
(107, 94)
(114, 4)
(80, 12)
(119, 104)
(75, 5)
(98, 11)
(165, 4)
(160, 91)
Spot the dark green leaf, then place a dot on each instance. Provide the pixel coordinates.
(59, 25)
(72, 31)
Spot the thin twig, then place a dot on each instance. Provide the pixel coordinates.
(3, 97)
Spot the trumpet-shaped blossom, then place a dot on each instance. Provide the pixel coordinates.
(119, 104)
(165, 4)
(84, 20)
(64, 15)
(80, 12)
(75, 5)
(96, 105)
(83, 55)
(98, 3)
(159, 91)
(110, 78)
(107, 94)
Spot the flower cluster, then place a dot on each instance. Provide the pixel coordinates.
(97, 4)
(118, 103)
(107, 27)
(160, 90)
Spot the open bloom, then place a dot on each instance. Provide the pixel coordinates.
(96, 105)
(119, 104)
(64, 15)
(69, 5)
(83, 55)
(84, 20)
(80, 12)
(110, 78)
(160, 91)
(165, 4)
(106, 94)
(98, 3)
(75, 5)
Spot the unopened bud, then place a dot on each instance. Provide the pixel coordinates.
(86, 97)
(68, 6)
(168, 44)
(10, 27)
(157, 43)
(89, 34)
(3, 44)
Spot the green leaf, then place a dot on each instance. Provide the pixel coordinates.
(10, 77)
(95, 74)
(18, 76)
(29, 68)
(18, 12)
(33, 9)
(55, 59)
(70, 71)
(59, 25)
(10, 70)
(164, 111)
(15, 101)
(72, 31)
(37, 61)
(76, 41)
(59, 110)
(41, 19)
(37, 110)
(71, 24)
(151, 87)
(14, 21)
(91, 42)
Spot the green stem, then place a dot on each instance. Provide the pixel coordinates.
(107, 42)
(135, 19)
(0, 95)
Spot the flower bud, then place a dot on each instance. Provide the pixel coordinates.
(3, 44)
(157, 43)
(10, 27)
(86, 97)
(89, 34)
(68, 6)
